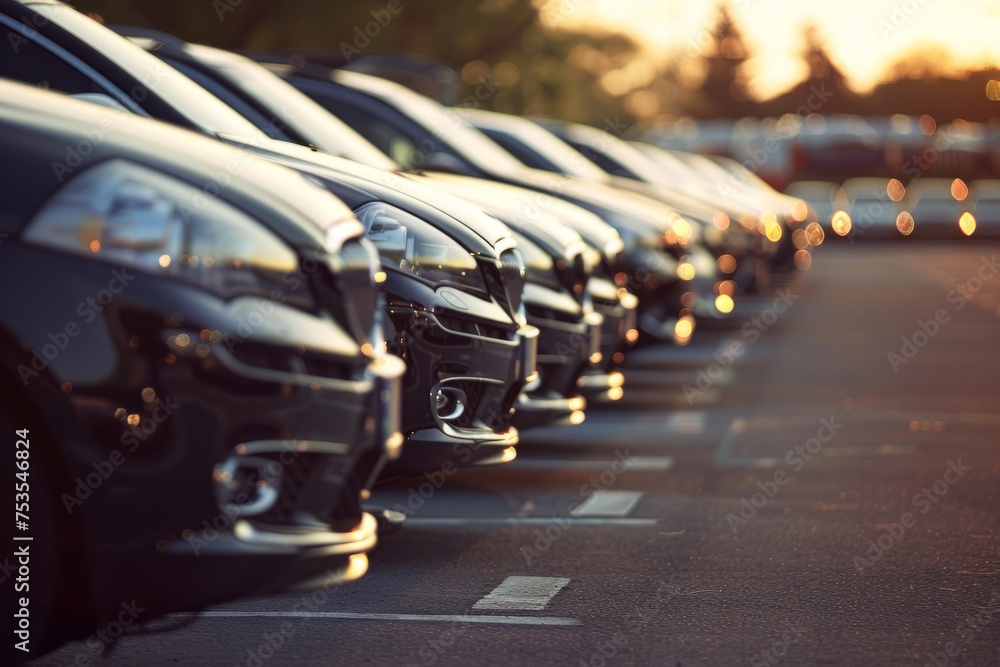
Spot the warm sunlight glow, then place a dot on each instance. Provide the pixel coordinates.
(803, 260)
(967, 223)
(959, 190)
(841, 223)
(993, 90)
(815, 234)
(895, 190)
(727, 263)
(904, 223)
(684, 328)
(799, 210)
(772, 230)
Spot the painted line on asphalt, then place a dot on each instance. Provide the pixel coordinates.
(608, 504)
(418, 618)
(455, 522)
(522, 594)
(687, 422)
(638, 463)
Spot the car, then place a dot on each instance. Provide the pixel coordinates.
(822, 198)
(566, 320)
(540, 148)
(873, 210)
(419, 133)
(985, 197)
(192, 371)
(74, 54)
(940, 208)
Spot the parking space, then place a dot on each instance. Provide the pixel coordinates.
(817, 494)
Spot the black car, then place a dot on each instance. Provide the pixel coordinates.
(418, 133)
(569, 338)
(74, 54)
(191, 367)
(735, 249)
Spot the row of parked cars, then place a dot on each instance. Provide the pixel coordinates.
(928, 207)
(241, 293)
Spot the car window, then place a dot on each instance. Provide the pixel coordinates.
(28, 62)
(267, 125)
(388, 138)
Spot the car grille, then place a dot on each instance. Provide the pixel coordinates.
(359, 294)
(512, 271)
(488, 403)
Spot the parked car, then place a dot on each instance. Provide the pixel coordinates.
(566, 320)
(873, 209)
(985, 197)
(194, 372)
(537, 147)
(940, 208)
(74, 54)
(822, 198)
(419, 133)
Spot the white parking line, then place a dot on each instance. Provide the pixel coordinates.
(690, 422)
(608, 503)
(522, 593)
(642, 463)
(469, 522)
(420, 618)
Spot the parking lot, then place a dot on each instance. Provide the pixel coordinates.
(782, 490)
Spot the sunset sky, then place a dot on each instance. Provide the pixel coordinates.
(863, 36)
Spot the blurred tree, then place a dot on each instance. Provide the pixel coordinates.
(512, 55)
(725, 83)
(824, 90)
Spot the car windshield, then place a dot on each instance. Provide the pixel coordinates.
(321, 128)
(190, 99)
(446, 124)
(559, 153)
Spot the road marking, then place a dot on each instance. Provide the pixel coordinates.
(421, 618)
(649, 463)
(522, 593)
(641, 463)
(691, 422)
(608, 503)
(455, 522)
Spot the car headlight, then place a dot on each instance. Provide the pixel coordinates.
(121, 212)
(407, 243)
(538, 265)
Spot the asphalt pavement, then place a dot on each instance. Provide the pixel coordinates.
(814, 482)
